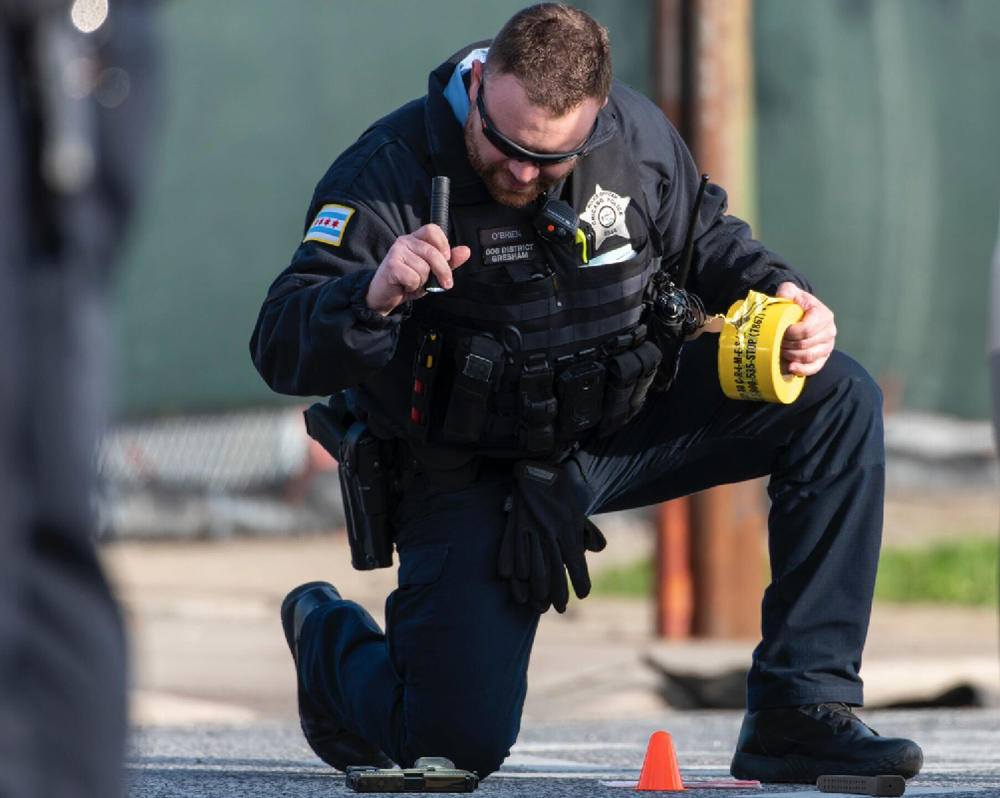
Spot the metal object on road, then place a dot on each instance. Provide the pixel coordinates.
(428, 774)
(863, 785)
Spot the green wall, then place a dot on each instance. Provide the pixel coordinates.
(878, 128)
(878, 125)
(258, 103)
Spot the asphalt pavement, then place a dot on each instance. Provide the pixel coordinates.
(582, 759)
(213, 699)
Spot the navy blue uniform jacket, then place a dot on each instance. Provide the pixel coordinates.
(315, 335)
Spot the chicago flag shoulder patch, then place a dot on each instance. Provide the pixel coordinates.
(328, 226)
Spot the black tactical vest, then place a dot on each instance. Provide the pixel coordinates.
(539, 343)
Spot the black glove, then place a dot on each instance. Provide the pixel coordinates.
(546, 533)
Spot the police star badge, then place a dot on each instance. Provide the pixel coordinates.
(605, 212)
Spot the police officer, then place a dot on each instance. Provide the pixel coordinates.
(75, 110)
(532, 392)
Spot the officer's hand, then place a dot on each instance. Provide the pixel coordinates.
(808, 343)
(403, 272)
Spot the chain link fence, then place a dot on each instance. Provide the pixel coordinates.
(254, 472)
(257, 472)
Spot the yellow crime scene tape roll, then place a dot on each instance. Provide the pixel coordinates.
(750, 350)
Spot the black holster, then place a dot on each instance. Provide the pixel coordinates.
(366, 479)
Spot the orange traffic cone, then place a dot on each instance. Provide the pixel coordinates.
(660, 770)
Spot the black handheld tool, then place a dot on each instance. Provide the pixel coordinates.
(863, 785)
(440, 195)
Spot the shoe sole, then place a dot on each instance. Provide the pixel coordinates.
(795, 769)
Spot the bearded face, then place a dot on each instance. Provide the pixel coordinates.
(511, 183)
(520, 149)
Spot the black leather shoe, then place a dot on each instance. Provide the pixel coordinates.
(799, 744)
(325, 733)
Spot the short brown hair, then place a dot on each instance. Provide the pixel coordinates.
(559, 54)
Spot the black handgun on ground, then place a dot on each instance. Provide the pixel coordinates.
(428, 774)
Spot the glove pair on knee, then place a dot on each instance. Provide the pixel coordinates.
(546, 537)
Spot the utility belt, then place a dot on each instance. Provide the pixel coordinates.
(508, 406)
(490, 395)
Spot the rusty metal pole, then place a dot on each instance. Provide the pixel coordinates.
(722, 107)
(674, 582)
(671, 77)
(728, 523)
(704, 78)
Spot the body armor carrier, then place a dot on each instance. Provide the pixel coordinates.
(541, 342)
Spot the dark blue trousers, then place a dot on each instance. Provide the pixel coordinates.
(448, 676)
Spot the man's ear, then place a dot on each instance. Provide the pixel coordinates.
(475, 79)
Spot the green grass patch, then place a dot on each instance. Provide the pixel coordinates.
(962, 571)
(629, 580)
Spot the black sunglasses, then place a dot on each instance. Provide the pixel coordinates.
(514, 150)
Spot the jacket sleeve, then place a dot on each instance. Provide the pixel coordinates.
(727, 261)
(314, 334)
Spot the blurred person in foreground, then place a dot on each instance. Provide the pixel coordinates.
(532, 393)
(74, 108)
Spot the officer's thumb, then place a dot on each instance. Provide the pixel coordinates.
(788, 290)
(459, 255)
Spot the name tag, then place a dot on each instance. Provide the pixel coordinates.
(506, 245)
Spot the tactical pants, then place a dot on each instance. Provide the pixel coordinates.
(448, 677)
